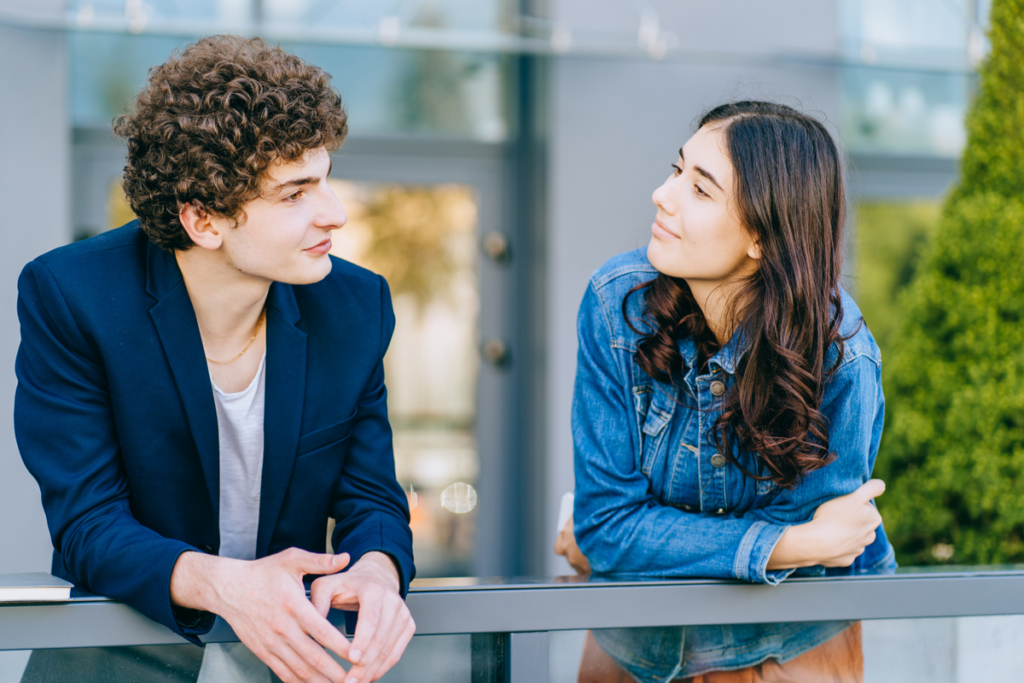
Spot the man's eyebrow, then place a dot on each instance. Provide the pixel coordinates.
(698, 169)
(299, 182)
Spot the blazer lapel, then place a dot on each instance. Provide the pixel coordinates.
(285, 390)
(176, 325)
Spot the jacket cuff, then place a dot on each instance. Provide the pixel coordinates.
(186, 622)
(394, 542)
(755, 551)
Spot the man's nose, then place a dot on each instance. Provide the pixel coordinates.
(332, 214)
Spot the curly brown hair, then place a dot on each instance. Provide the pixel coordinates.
(210, 121)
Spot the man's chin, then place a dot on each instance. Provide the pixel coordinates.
(311, 273)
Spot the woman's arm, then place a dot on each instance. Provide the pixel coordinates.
(622, 527)
(839, 532)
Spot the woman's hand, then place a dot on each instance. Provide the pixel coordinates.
(565, 545)
(839, 532)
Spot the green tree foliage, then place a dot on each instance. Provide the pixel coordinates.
(953, 450)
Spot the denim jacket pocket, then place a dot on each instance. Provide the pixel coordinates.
(655, 407)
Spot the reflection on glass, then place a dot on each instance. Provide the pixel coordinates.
(423, 241)
(142, 14)
(946, 650)
(888, 111)
(385, 91)
(911, 90)
(427, 659)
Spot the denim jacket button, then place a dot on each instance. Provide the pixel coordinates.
(717, 460)
(717, 388)
(720, 511)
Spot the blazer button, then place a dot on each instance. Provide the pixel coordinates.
(717, 388)
(717, 460)
(207, 548)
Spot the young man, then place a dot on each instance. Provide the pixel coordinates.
(200, 390)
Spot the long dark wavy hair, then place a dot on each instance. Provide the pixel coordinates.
(789, 196)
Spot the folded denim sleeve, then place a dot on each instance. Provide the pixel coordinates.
(621, 526)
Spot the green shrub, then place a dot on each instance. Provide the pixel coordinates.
(953, 449)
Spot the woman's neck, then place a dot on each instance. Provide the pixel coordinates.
(716, 301)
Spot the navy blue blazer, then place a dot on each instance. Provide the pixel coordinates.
(115, 418)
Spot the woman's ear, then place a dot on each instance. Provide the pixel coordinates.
(200, 226)
(754, 250)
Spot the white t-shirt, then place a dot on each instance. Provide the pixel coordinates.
(240, 426)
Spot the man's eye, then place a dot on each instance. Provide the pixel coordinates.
(295, 196)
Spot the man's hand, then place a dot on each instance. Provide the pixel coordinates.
(565, 545)
(837, 535)
(265, 602)
(384, 627)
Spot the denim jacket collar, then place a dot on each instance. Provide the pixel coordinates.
(727, 358)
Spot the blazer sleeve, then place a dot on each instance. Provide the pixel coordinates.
(369, 505)
(67, 437)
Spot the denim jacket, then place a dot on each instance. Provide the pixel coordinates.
(654, 497)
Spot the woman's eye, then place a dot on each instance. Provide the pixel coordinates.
(699, 191)
(676, 170)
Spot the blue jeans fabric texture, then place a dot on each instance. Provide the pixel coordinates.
(662, 654)
(653, 495)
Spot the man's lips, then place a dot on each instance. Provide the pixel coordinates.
(659, 230)
(320, 249)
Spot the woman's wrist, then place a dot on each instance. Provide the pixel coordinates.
(793, 550)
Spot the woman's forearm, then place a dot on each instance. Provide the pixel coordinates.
(838, 534)
(795, 549)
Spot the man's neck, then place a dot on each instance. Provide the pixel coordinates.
(227, 302)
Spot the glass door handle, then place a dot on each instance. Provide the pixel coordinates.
(495, 351)
(495, 246)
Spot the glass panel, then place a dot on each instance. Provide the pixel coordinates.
(385, 91)
(916, 102)
(949, 650)
(427, 659)
(888, 111)
(142, 14)
(423, 241)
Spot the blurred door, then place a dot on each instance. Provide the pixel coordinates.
(430, 219)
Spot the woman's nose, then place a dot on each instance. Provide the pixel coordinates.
(662, 197)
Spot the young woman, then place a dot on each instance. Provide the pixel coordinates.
(728, 402)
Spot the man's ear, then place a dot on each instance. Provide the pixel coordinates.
(200, 226)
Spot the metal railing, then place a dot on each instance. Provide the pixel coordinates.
(511, 619)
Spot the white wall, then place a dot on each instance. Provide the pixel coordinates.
(615, 127)
(34, 191)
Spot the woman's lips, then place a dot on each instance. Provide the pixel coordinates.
(320, 249)
(661, 232)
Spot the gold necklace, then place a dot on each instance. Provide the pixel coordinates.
(259, 325)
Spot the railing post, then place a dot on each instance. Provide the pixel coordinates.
(487, 657)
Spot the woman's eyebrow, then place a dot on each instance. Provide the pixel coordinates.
(698, 169)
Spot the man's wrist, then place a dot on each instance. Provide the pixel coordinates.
(194, 581)
(385, 565)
